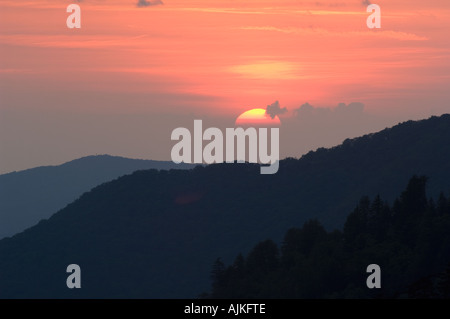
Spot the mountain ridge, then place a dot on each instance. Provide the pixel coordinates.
(32, 194)
(155, 234)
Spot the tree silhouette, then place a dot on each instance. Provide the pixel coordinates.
(218, 277)
(410, 241)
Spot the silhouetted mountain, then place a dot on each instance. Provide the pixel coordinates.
(33, 194)
(155, 233)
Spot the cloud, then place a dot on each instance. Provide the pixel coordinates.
(397, 35)
(315, 127)
(307, 111)
(304, 109)
(354, 107)
(274, 109)
(333, 4)
(146, 3)
(281, 70)
(366, 3)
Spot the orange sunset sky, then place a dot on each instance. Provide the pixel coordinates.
(133, 73)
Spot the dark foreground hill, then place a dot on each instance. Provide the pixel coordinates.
(155, 234)
(409, 242)
(33, 194)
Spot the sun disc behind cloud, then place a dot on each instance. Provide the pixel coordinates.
(257, 117)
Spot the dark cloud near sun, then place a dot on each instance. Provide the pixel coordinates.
(366, 3)
(354, 107)
(146, 3)
(314, 127)
(306, 110)
(274, 109)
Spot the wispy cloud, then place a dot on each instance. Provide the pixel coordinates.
(63, 41)
(398, 35)
(227, 10)
(16, 71)
(280, 70)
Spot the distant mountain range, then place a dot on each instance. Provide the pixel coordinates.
(33, 194)
(155, 234)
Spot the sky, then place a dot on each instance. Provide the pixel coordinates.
(138, 69)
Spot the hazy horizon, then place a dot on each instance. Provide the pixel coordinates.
(302, 151)
(136, 70)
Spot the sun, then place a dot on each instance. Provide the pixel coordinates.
(257, 117)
